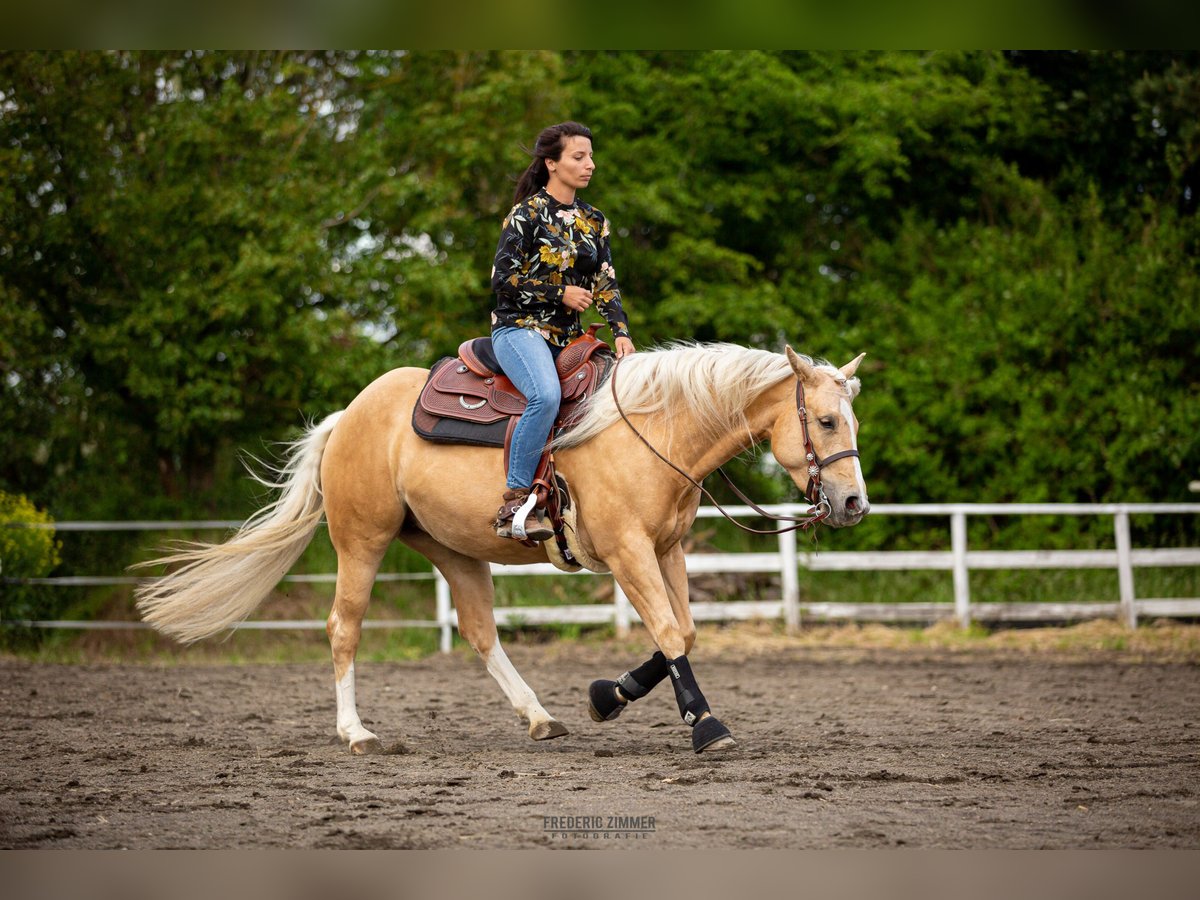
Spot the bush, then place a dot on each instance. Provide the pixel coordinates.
(24, 553)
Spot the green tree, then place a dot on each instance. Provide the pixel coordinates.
(198, 248)
(167, 276)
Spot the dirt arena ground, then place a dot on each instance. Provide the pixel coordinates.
(838, 748)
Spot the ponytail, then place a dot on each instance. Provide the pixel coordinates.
(534, 178)
(549, 145)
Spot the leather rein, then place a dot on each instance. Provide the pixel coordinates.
(814, 493)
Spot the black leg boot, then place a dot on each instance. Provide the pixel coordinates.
(707, 731)
(607, 699)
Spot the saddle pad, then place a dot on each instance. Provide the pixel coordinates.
(448, 430)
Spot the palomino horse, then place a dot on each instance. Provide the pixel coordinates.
(376, 481)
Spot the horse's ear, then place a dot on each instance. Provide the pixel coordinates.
(851, 367)
(801, 366)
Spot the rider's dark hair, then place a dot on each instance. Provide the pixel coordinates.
(550, 144)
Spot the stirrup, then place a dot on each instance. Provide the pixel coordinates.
(520, 517)
(511, 522)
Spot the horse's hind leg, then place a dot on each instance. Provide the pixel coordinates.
(472, 591)
(358, 564)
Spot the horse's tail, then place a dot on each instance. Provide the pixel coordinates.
(218, 585)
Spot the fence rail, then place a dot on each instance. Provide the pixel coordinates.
(786, 561)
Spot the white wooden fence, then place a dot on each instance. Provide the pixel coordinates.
(786, 561)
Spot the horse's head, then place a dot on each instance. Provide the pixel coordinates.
(827, 394)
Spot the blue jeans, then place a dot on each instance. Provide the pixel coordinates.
(528, 361)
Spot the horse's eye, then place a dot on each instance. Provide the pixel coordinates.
(826, 422)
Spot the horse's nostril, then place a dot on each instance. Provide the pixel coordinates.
(853, 503)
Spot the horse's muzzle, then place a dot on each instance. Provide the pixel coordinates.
(848, 511)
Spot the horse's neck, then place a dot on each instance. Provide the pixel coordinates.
(695, 449)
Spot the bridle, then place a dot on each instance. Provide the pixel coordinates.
(814, 493)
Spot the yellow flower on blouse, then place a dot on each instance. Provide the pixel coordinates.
(546, 247)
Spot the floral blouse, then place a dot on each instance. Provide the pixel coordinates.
(544, 247)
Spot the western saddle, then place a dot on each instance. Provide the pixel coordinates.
(469, 400)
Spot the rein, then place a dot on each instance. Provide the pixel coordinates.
(814, 493)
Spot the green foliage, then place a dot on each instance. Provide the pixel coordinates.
(25, 552)
(198, 250)
(1062, 350)
(165, 263)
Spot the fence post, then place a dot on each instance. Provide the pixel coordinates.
(962, 581)
(1125, 569)
(789, 580)
(442, 593)
(620, 610)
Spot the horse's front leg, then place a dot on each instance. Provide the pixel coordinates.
(658, 591)
(608, 699)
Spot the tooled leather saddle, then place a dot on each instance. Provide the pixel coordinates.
(468, 400)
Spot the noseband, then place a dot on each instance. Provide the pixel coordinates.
(814, 493)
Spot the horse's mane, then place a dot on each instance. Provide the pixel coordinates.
(716, 382)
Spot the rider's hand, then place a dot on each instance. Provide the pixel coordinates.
(576, 298)
(623, 346)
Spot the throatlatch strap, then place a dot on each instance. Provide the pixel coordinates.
(692, 704)
(638, 682)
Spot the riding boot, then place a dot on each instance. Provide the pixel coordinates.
(518, 502)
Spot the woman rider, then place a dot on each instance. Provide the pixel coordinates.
(553, 261)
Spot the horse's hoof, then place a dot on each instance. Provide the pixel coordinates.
(368, 747)
(544, 731)
(709, 735)
(603, 705)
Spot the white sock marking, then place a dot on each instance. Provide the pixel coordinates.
(519, 694)
(350, 727)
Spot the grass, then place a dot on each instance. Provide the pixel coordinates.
(290, 646)
(552, 590)
(1160, 641)
(1016, 586)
